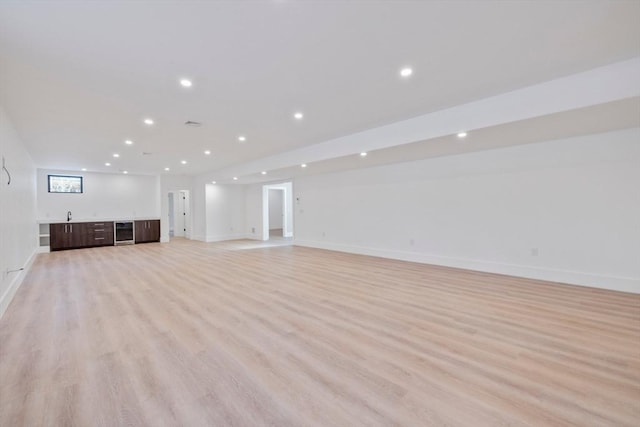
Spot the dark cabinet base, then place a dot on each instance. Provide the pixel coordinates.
(147, 231)
(77, 235)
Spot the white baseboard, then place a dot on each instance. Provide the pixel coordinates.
(623, 284)
(223, 237)
(15, 283)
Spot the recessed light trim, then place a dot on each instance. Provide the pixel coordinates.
(128, 142)
(298, 115)
(186, 83)
(107, 164)
(167, 169)
(83, 169)
(235, 178)
(406, 72)
(207, 152)
(363, 154)
(116, 155)
(213, 182)
(184, 162)
(125, 172)
(304, 165)
(148, 122)
(461, 135)
(263, 172)
(242, 138)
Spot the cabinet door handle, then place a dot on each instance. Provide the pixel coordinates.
(65, 227)
(102, 223)
(72, 228)
(99, 238)
(99, 229)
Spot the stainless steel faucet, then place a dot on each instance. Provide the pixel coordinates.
(68, 216)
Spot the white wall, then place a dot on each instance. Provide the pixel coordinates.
(276, 212)
(566, 211)
(253, 211)
(105, 196)
(288, 207)
(225, 212)
(173, 201)
(18, 229)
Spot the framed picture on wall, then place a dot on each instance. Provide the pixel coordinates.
(65, 184)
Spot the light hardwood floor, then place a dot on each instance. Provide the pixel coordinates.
(195, 334)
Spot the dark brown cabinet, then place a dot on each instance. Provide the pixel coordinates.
(67, 236)
(73, 235)
(59, 236)
(147, 231)
(99, 233)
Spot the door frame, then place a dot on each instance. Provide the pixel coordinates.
(287, 208)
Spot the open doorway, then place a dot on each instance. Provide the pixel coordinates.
(179, 214)
(277, 212)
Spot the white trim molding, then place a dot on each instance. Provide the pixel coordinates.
(622, 284)
(15, 283)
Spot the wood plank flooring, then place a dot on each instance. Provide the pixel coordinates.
(195, 334)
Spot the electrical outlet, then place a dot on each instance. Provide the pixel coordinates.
(253, 230)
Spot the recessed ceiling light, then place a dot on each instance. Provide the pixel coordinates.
(363, 154)
(462, 134)
(242, 138)
(406, 72)
(298, 116)
(213, 182)
(128, 142)
(186, 82)
(184, 162)
(304, 165)
(83, 169)
(148, 121)
(116, 155)
(125, 172)
(235, 178)
(107, 164)
(263, 172)
(207, 152)
(167, 169)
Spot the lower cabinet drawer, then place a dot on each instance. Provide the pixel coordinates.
(102, 240)
(100, 236)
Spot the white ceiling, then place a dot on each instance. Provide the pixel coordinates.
(616, 115)
(77, 78)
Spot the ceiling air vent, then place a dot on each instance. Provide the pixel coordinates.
(146, 153)
(192, 124)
